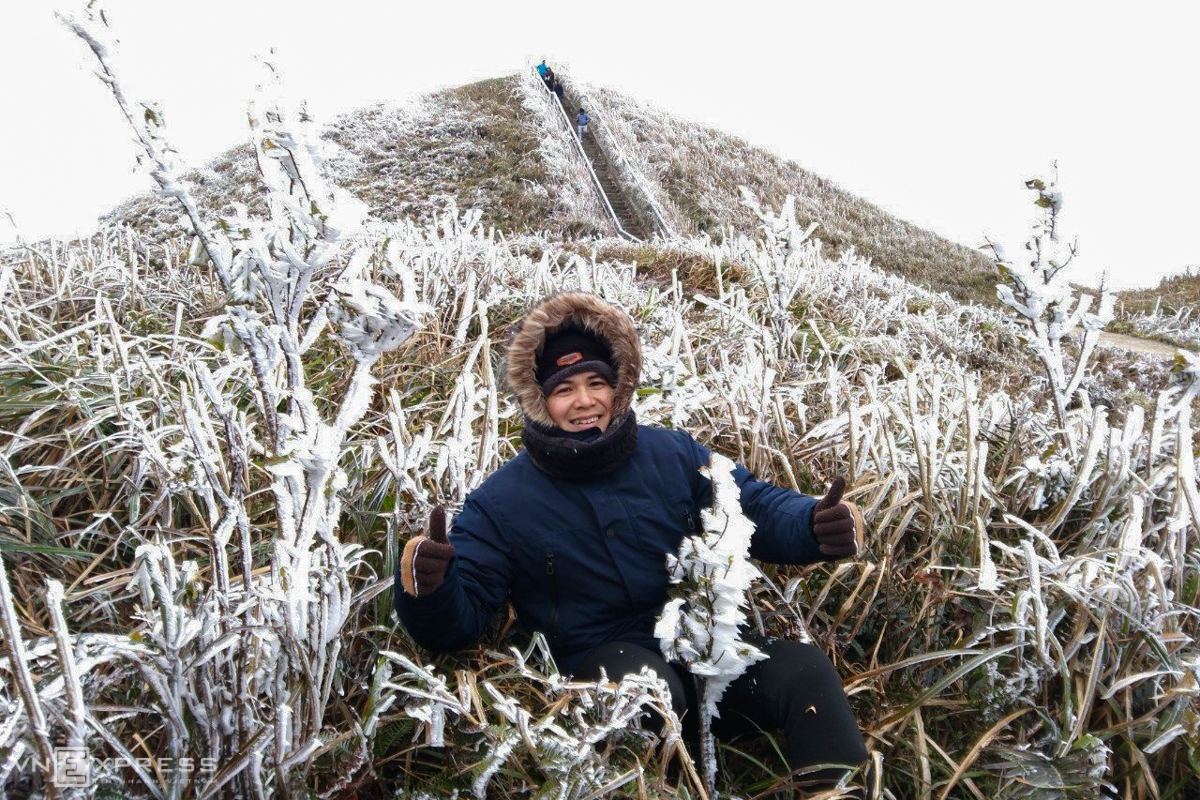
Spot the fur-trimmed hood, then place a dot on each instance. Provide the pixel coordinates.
(585, 311)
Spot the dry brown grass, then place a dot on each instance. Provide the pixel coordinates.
(661, 264)
(1174, 293)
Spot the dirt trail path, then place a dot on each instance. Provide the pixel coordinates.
(1136, 344)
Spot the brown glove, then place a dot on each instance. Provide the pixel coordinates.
(837, 523)
(425, 558)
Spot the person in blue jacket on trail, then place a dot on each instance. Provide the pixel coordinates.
(582, 120)
(574, 532)
(542, 69)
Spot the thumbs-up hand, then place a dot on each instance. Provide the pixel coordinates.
(425, 558)
(837, 523)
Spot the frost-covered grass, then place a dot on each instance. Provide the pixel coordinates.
(1017, 606)
(1180, 327)
(1167, 312)
(213, 459)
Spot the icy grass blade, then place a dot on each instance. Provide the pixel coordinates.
(18, 658)
(561, 737)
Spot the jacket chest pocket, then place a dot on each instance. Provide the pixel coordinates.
(661, 525)
(564, 579)
(658, 528)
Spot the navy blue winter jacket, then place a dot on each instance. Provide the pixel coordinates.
(584, 561)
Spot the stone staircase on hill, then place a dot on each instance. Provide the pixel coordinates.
(608, 182)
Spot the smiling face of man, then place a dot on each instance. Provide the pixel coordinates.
(581, 402)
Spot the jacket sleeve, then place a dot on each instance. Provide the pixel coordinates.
(783, 518)
(476, 585)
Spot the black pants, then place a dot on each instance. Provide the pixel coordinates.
(796, 690)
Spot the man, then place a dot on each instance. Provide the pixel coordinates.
(575, 530)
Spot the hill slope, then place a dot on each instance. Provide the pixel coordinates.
(476, 146)
(1173, 294)
(701, 169)
(495, 146)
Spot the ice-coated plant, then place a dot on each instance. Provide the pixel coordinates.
(242, 664)
(1048, 307)
(567, 738)
(780, 263)
(1185, 374)
(700, 624)
(1181, 327)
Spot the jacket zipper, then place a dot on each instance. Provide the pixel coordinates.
(553, 595)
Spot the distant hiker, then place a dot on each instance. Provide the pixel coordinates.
(582, 120)
(575, 529)
(548, 79)
(542, 69)
(557, 88)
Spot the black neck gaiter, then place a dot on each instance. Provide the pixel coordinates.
(581, 456)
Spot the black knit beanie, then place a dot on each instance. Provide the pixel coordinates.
(571, 351)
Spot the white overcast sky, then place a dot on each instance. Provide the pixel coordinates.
(935, 111)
